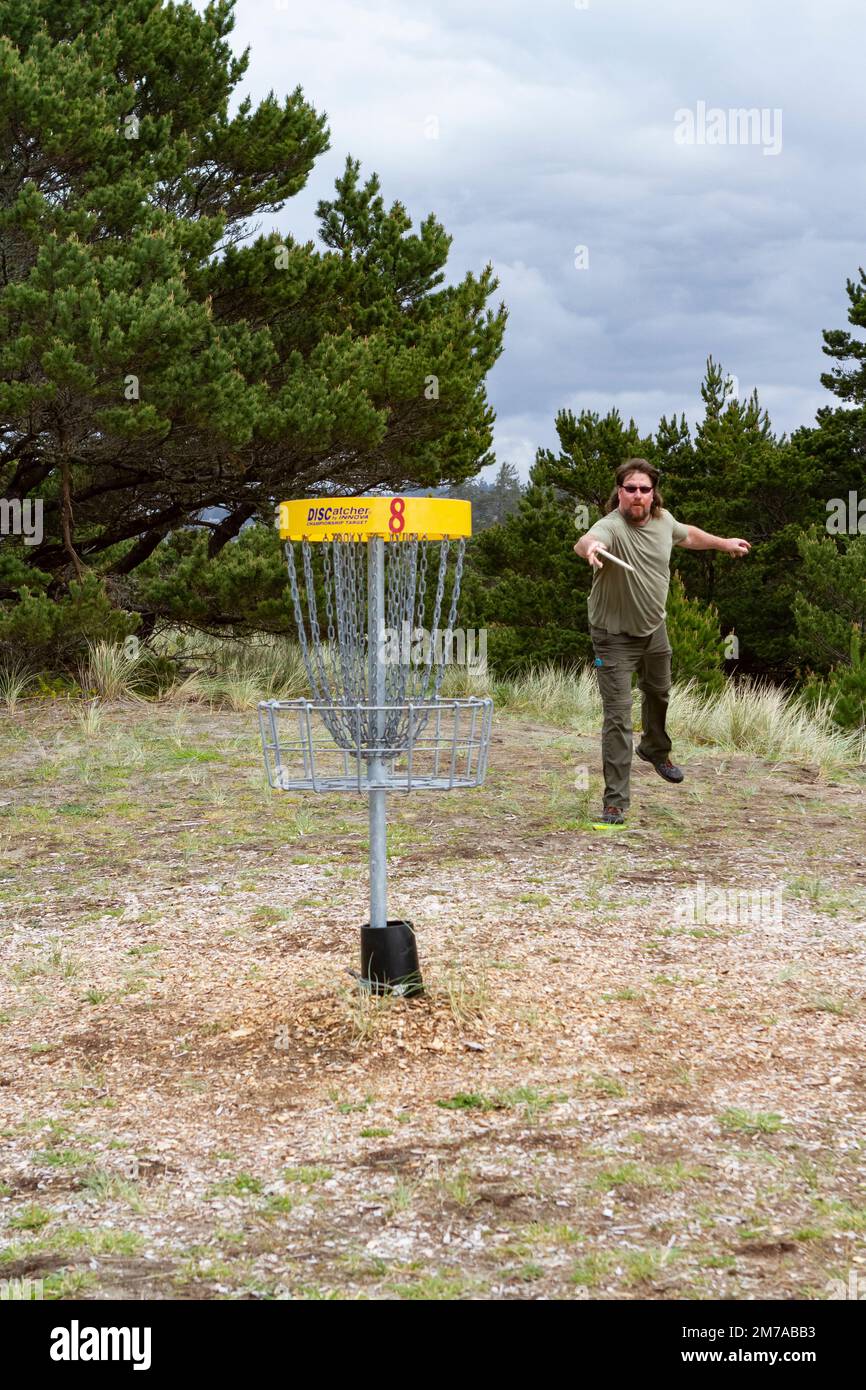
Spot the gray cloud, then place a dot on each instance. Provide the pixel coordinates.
(556, 129)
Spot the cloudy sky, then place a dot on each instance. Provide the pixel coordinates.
(533, 130)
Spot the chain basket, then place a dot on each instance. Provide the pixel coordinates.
(342, 675)
(376, 722)
(442, 744)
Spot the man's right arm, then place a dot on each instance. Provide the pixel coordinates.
(587, 547)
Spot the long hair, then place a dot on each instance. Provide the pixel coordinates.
(622, 473)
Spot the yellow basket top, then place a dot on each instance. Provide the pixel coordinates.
(395, 518)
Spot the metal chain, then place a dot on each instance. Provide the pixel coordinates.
(326, 565)
(319, 678)
(342, 672)
(418, 614)
(299, 617)
(452, 616)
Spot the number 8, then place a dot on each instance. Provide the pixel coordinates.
(397, 521)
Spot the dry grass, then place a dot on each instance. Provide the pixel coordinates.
(15, 679)
(587, 1097)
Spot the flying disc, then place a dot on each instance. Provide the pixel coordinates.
(616, 560)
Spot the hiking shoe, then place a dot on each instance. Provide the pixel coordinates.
(611, 815)
(665, 768)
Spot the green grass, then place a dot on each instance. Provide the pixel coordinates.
(843, 1215)
(278, 1205)
(592, 1269)
(528, 1238)
(469, 1100)
(30, 1218)
(434, 1287)
(353, 1107)
(61, 1158)
(627, 1174)
(460, 1188)
(643, 1266)
(533, 1101)
(825, 1004)
(242, 1185)
(748, 1122)
(68, 1284)
(609, 1086)
(307, 1175)
(66, 1239)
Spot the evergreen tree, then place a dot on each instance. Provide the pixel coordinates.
(697, 644)
(492, 501)
(832, 598)
(591, 448)
(735, 478)
(156, 367)
(838, 442)
(506, 492)
(524, 583)
(846, 686)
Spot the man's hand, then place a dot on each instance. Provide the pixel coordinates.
(587, 550)
(735, 546)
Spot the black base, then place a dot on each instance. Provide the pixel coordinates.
(389, 959)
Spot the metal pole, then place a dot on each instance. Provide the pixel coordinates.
(375, 766)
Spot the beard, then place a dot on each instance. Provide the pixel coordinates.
(637, 512)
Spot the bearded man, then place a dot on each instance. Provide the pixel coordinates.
(627, 622)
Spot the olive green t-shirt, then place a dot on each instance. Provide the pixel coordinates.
(620, 601)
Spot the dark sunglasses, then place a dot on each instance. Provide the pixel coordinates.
(634, 487)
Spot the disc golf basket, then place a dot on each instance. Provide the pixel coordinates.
(372, 570)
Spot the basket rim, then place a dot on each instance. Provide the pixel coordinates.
(448, 702)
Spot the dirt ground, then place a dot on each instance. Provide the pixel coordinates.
(602, 1094)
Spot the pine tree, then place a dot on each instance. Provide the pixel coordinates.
(158, 366)
(505, 492)
(735, 478)
(832, 598)
(591, 448)
(843, 688)
(839, 441)
(696, 641)
(524, 583)
(847, 685)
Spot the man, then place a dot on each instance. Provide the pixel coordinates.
(627, 622)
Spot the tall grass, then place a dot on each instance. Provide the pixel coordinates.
(89, 718)
(14, 680)
(766, 721)
(755, 718)
(560, 695)
(236, 673)
(745, 717)
(110, 670)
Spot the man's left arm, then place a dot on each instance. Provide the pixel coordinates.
(696, 539)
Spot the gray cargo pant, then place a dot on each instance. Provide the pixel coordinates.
(617, 656)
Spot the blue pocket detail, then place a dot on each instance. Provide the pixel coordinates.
(598, 661)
